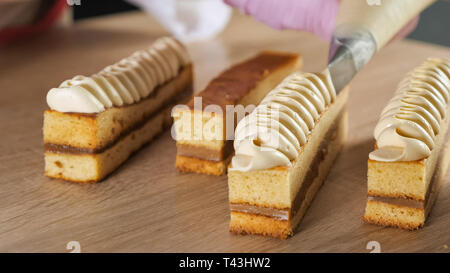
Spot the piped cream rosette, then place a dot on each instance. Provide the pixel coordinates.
(126, 82)
(409, 124)
(273, 134)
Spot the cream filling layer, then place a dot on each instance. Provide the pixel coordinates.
(409, 124)
(126, 82)
(273, 134)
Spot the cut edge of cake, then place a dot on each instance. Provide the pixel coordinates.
(280, 227)
(94, 167)
(256, 224)
(401, 193)
(408, 213)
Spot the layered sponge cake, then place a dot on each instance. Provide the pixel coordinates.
(283, 152)
(408, 165)
(204, 128)
(95, 123)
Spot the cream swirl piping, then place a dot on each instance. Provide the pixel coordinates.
(273, 134)
(126, 82)
(409, 124)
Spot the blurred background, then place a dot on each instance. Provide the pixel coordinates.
(433, 27)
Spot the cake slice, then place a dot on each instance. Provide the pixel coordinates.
(95, 123)
(283, 152)
(204, 130)
(408, 165)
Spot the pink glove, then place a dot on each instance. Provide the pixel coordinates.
(316, 16)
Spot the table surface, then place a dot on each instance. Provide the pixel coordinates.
(146, 206)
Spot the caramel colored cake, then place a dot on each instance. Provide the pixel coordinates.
(283, 152)
(95, 123)
(411, 158)
(203, 130)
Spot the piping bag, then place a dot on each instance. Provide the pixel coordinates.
(362, 29)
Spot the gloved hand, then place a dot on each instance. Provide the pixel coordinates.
(316, 16)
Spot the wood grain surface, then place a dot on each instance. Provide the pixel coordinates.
(146, 206)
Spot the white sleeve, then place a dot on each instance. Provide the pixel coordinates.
(188, 20)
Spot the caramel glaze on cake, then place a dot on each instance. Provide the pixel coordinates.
(243, 84)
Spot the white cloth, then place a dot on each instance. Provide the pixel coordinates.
(188, 20)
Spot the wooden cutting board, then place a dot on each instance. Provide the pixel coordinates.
(146, 205)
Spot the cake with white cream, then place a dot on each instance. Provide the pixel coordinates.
(407, 167)
(95, 123)
(283, 152)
